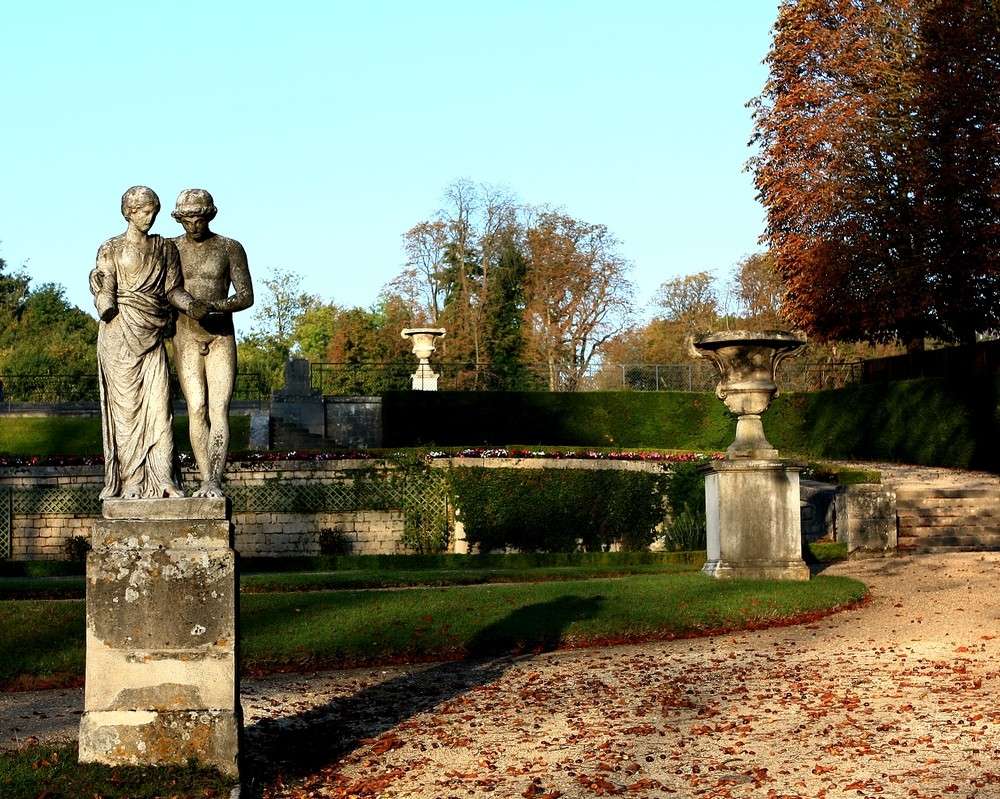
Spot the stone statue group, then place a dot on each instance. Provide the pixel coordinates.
(148, 289)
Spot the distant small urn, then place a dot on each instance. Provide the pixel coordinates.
(747, 361)
(423, 338)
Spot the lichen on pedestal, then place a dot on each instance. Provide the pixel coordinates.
(161, 679)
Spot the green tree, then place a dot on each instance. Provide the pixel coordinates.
(13, 294)
(46, 344)
(279, 309)
(314, 330)
(690, 300)
(503, 322)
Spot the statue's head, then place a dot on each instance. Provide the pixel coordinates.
(140, 205)
(194, 210)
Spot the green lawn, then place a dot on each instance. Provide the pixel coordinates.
(44, 639)
(45, 436)
(73, 587)
(395, 571)
(53, 771)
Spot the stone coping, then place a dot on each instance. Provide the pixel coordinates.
(752, 465)
(355, 464)
(588, 464)
(237, 466)
(173, 508)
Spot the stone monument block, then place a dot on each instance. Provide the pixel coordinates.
(866, 519)
(161, 679)
(753, 517)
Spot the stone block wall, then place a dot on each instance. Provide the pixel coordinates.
(44, 536)
(40, 523)
(70, 508)
(276, 534)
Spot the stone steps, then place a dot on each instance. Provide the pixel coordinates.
(912, 493)
(288, 436)
(948, 519)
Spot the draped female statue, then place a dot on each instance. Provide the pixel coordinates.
(136, 284)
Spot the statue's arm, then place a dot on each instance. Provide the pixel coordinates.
(176, 294)
(185, 303)
(239, 273)
(103, 285)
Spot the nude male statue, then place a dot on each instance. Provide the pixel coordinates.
(205, 349)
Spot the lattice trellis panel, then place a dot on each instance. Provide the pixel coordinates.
(422, 496)
(61, 500)
(368, 492)
(425, 508)
(5, 523)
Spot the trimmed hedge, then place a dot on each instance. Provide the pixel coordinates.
(449, 561)
(44, 436)
(664, 419)
(557, 510)
(935, 422)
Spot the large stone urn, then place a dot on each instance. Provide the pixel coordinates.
(423, 339)
(751, 498)
(747, 362)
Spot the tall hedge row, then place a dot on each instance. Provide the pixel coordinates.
(935, 422)
(932, 421)
(675, 420)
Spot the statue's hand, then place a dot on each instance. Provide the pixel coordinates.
(198, 309)
(96, 281)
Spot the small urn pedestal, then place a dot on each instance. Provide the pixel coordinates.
(162, 683)
(752, 507)
(423, 338)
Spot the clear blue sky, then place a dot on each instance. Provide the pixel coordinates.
(327, 129)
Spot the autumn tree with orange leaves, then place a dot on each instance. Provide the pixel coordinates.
(879, 166)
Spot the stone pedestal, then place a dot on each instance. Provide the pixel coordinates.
(424, 379)
(866, 519)
(754, 526)
(162, 684)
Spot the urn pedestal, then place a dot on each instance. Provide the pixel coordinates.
(162, 681)
(752, 508)
(753, 521)
(423, 338)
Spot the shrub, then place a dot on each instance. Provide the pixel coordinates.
(425, 531)
(558, 510)
(77, 548)
(686, 488)
(687, 531)
(334, 542)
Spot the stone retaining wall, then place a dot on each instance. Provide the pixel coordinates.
(69, 508)
(283, 507)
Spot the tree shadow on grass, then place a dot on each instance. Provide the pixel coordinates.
(292, 747)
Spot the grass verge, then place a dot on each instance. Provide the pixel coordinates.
(45, 436)
(74, 587)
(400, 571)
(329, 629)
(53, 772)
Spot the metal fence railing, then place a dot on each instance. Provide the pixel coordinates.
(372, 379)
(375, 379)
(52, 389)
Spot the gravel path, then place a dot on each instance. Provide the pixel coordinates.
(898, 698)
